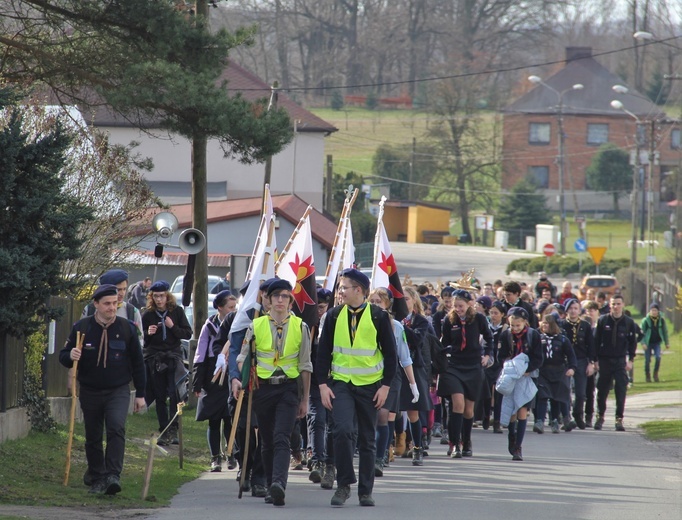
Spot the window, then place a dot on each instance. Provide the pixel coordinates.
(539, 133)
(539, 175)
(597, 133)
(675, 139)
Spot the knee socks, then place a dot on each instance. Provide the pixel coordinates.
(382, 440)
(416, 429)
(391, 432)
(467, 425)
(455, 427)
(520, 430)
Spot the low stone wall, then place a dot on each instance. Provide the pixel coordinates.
(14, 424)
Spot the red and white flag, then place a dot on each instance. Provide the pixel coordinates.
(343, 256)
(297, 266)
(384, 269)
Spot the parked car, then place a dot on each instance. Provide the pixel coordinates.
(600, 283)
(176, 288)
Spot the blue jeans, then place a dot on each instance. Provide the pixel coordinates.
(654, 348)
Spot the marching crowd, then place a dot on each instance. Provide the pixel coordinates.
(362, 382)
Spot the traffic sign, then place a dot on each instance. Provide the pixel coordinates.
(548, 249)
(580, 245)
(597, 253)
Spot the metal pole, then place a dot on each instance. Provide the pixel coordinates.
(635, 184)
(562, 207)
(651, 256)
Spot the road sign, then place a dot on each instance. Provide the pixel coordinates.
(580, 245)
(597, 254)
(548, 249)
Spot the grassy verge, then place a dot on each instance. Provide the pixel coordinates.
(660, 430)
(32, 469)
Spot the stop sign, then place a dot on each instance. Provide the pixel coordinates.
(548, 249)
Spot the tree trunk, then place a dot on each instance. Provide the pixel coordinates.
(199, 221)
(282, 53)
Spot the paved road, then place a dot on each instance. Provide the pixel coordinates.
(437, 262)
(578, 475)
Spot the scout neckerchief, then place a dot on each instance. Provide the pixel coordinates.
(354, 319)
(518, 340)
(104, 341)
(279, 336)
(162, 317)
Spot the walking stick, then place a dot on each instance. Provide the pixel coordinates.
(181, 454)
(148, 468)
(72, 419)
(233, 430)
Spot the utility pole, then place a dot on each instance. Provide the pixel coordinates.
(651, 256)
(410, 192)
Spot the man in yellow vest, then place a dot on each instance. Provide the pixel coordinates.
(283, 368)
(356, 362)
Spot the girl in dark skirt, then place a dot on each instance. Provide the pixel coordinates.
(498, 324)
(386, 416)
(213, 397)
(554, 382)
(416, 328)
(463, 380)
(517, 339)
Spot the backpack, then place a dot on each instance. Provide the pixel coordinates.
(130, 310)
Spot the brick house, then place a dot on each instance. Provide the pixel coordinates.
(531, 133)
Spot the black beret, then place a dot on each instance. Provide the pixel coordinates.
(113, 277)
(446, 291)
(357, 276)
(570, 302)
(106, 289)
(485, 301)
(461, 293)
(160, 286)
(264, 285)
(654, 306)
(518, 312)
(499, 306)
(323, 295)
(542, 306)
(220, 297)
(278, 284)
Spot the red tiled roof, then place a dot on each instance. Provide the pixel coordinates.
(289, 207)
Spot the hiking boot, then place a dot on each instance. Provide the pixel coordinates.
(599, 423)
(327, 481)
(555, 426)
(316, 473)
(518, 454)
(656, 380)
(408, 451)
(497, 427)
(588, 422)
(231, 462)
(580, 423)
(467, 449)
(296, 461)
(98, 487)
(267, 498)
(112, 485)
(511, 442)
(417, 457)
(87, 478)
(164, 439)
(400, 447)
(539, 427)
(445, 439)
(341, 495)
(486, 423)
(457, 451)
(258, 491)
(277, 494)
(215, 464)
(619, 425)
(173, 435)
(437, 430)
(366, 501)
(569, 424)
(379, 467)
(648, 377)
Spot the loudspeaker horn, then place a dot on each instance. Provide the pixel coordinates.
(192, 241)
(164, 224)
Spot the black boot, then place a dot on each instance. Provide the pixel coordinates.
(648, 376)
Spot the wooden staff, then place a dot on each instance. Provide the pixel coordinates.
(181, 455)
(150, 464)
(377, 237)
(79, 345)
(233, 430)
(333, 257)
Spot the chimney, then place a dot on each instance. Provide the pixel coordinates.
(576, 53)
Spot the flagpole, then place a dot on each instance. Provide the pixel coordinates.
(345, 211)
(347, 227)
(301, 221)
(266, 198)
(377, 236)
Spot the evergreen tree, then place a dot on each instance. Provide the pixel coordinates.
(39, 228)
(610, 171)
(521, 210)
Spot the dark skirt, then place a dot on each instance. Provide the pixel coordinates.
(462, 380)
(424, 403)
(392, 403)
(213, 404)
(554, 384)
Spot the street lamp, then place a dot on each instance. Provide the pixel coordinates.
(651, 259)
(560, 113)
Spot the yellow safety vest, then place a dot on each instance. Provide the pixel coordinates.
(267, 358)
(360, 361)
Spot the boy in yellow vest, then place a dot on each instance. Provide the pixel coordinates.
(283, 368)
(356, 362)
